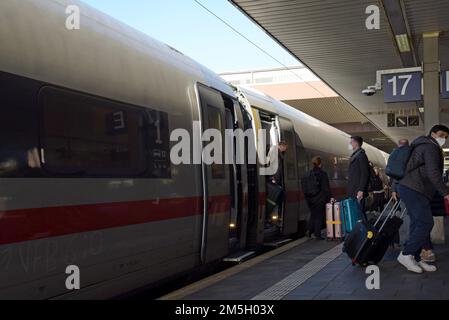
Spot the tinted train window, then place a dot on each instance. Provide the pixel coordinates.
(87, 136)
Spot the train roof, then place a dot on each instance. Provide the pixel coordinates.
(104, 55)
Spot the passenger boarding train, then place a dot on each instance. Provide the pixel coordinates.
(85, 174)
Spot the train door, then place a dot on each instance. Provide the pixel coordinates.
(216, 180)
(238, 177)
(290, 212)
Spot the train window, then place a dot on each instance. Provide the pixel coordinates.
(88, 136)
(215, 122)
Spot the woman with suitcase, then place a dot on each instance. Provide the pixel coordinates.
(318, 180)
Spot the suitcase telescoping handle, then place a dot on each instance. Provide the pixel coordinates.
(385, 210)
(390, 215)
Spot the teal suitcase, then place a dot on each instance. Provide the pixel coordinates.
(351, 214)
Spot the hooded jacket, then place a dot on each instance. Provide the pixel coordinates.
(358, 174)
(425, 168)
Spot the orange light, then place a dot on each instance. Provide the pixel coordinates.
(275, 218)
(232, 225)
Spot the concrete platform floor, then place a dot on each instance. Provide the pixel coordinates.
(318, 270)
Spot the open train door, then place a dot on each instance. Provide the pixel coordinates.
(216, 181)
(290, 212)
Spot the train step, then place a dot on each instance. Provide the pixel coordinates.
(277, 243)
(240, 256)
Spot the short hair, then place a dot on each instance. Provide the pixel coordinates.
(358, 139)
(439, 127)
(316, 161)
(283, 143)
(404, 142)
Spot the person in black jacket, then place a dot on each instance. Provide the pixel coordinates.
(424, 177)
(273, 209)
(359, 172)
(378, 189)
(395, 183)
(317, 203)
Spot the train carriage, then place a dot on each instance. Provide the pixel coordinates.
(85, 172)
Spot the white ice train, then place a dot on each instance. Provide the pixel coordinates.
(85, 174)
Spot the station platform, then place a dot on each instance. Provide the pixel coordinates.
(319, 270)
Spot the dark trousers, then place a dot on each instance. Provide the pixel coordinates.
(421, 221)
(378, 202)
(317, 217)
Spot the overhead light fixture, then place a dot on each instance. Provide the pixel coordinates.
(403, 43)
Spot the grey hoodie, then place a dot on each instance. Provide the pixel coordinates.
(425, 168)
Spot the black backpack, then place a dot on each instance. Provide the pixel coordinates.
(398, 161)
(310, 185)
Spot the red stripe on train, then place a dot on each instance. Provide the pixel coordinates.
(32, 224)
(39, 223)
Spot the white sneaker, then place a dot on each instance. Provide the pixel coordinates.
(410, 263)
(427, 267)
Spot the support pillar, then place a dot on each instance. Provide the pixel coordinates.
(431, 76)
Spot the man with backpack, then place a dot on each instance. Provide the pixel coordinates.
(359, 172)
(317, 192)
(419, 169)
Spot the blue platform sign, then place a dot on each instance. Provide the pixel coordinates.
(402, 87)
(445, 84)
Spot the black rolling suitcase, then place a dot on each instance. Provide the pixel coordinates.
(368, 243)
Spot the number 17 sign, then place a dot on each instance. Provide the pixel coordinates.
(402, 87)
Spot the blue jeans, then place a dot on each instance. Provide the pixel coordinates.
(421, 221)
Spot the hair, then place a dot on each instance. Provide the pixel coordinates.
(439, 127)
(404, 142)
(283, 143)
(316, 161)
(358, 139)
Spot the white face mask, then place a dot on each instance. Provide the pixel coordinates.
(441, 141)
(350, 148)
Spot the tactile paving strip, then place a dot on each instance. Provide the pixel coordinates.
(293, 281)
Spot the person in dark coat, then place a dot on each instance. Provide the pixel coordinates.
(276, 179)
(359, 172)
(378, 189)
(424, 177)
(317, 203)
(395, 183)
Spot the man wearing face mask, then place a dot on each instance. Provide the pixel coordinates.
(359, 172)
(423, 178)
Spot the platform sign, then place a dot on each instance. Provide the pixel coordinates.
(401, 122)
(445, 84)
(391, 120)
(413, 121)
(402, 87)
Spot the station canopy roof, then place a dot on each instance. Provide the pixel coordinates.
(331, 38)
